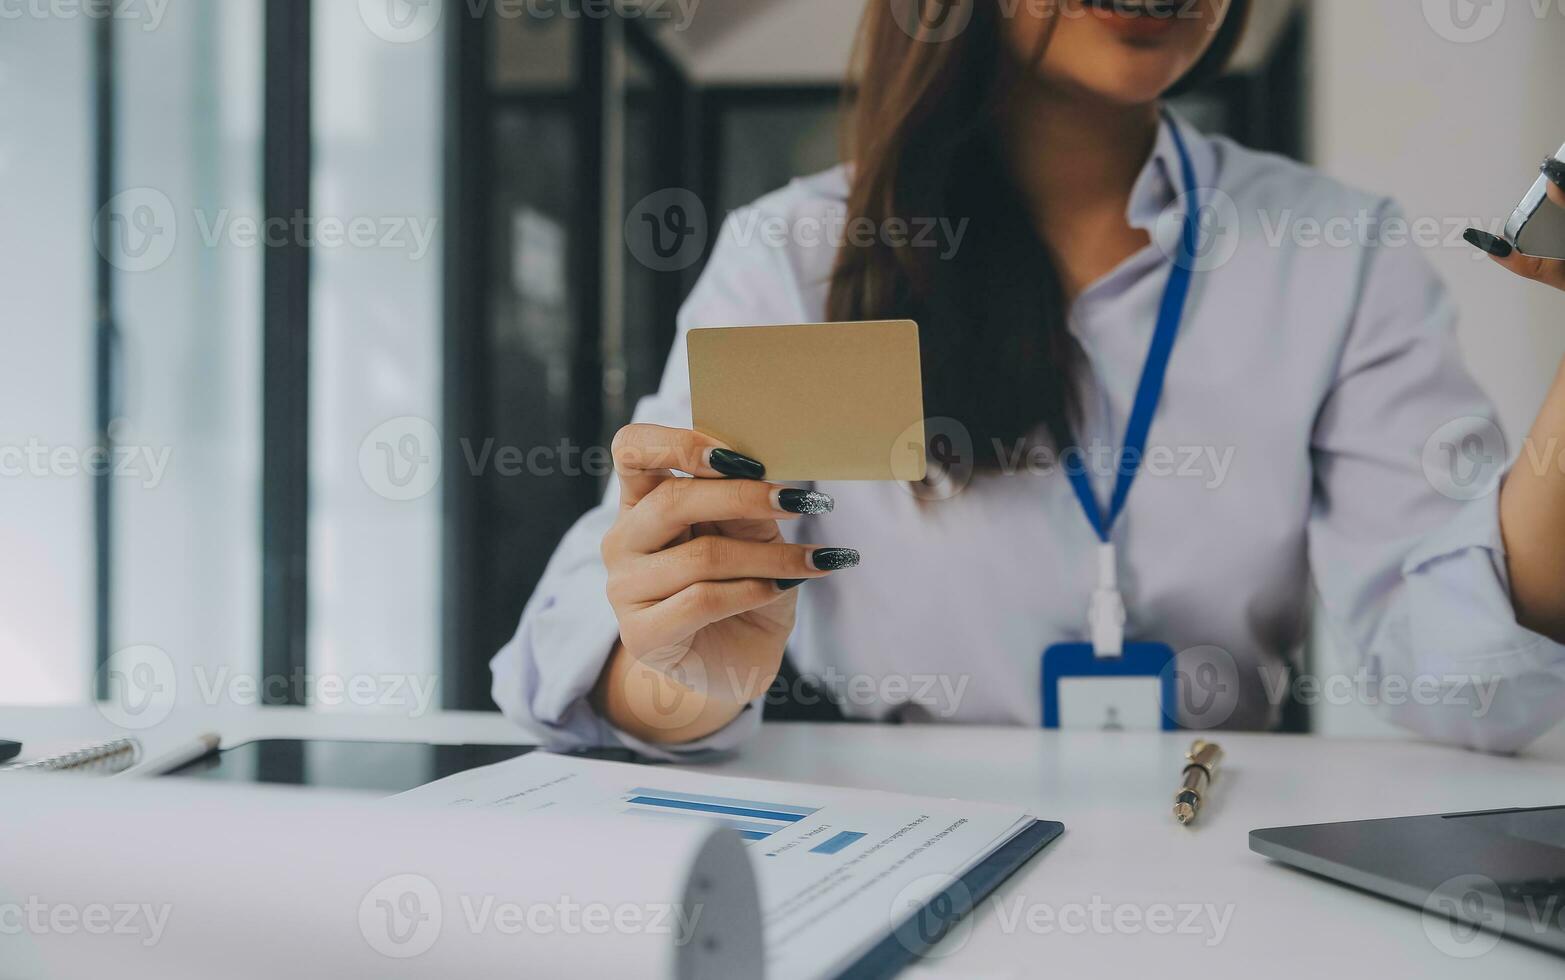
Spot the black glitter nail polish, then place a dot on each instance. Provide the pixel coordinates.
(834, 559)
(790, 583)
(1554, 169)
(796, 501)
(732, 464)
(1497, 247)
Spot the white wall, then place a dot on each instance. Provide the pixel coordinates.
(1454, 124)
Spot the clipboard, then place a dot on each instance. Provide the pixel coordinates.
(922, 930)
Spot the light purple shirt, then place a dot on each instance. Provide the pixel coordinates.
(1313, 392)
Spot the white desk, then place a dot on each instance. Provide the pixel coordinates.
(1122, 848)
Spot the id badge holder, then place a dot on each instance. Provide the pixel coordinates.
(1136, 691)
(1108, 684)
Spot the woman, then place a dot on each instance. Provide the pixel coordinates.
(1305, 387)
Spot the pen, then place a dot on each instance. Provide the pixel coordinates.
(197, 748)
(1200, 769)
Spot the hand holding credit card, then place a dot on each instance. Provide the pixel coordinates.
(814, 402)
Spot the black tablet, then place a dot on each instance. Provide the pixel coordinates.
(385, 767)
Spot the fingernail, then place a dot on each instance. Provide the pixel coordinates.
(834, 559)
(1554, 169)
(804, 501)
(789, 583)
(730, 463)
(1497, 247)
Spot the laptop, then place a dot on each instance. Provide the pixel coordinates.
(1476, 875)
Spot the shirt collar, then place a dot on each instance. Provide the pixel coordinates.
(1161, 181)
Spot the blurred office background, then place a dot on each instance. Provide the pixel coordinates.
(336, 496)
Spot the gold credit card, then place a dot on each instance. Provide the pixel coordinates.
(818, 401)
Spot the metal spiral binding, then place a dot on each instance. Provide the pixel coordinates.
(115, 755)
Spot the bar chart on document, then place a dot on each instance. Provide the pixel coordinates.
(754, 820)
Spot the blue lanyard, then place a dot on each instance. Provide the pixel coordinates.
(1150, 390)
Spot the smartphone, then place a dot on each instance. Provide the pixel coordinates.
(1538, 226)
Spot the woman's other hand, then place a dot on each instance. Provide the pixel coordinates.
(1550, 272)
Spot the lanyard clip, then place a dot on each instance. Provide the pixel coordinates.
(1106, 615)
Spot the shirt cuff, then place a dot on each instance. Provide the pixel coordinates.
(544, 677)
(1464, 619)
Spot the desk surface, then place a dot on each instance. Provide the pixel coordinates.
(1122, 860)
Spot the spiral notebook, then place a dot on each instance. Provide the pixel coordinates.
(101, 758)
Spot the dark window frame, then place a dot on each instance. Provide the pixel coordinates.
(285, 346)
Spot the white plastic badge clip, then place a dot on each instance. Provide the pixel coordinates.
(1106, 616)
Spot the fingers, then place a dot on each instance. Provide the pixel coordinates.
(1550, 272)
(714, 558)
(1554, 169)
(645, 455)
(698, 606)
(669, 509)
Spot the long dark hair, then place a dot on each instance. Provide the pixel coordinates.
(921, 135)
